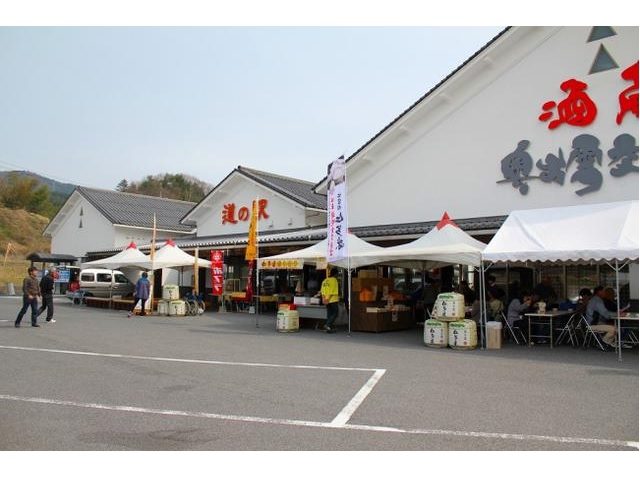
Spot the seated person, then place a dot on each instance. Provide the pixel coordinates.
(583, 300)
(494, 305)
(609, 299)
(611, 303)
(598, 317)
(493, 289)
(544, 292)
(517, 307)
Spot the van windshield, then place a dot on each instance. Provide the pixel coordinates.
(120, 278)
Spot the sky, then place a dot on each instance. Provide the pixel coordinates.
(95, 105)
(147, 90)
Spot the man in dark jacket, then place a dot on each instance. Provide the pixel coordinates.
(30, 294)
(46, 288)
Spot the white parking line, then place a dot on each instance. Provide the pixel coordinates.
(342, 418)
(339, 422)
(301, 423)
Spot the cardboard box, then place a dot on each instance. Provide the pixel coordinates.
(494, 339)
(368, 274)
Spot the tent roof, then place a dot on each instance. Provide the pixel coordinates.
(360, 253)
(445, 244)
(128, 257)
(578, 234)
(172, 256)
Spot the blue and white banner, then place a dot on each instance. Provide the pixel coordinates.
(337, 211)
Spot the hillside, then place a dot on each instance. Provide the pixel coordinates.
(55, 187)
(23, 230)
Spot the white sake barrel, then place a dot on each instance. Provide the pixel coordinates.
(463, 335)
(288, 321)
(170, 292)
(449, 305)
(163, 307)
(177, 307)
(436, 333)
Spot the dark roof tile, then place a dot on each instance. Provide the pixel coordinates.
(137, 210)
(299, 190)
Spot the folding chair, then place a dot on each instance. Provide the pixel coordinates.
(569, 331)
(514, 332)
(590, 336)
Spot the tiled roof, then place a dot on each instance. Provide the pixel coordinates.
(136, 210)
(305, 237)
(417, 229)
(299, 190)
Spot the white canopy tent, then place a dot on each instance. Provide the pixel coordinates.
(170, 255)
(446, 244)
(599, 233)
(129, 257)
(583, 233)
(360, 253)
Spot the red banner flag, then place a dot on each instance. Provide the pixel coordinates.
(217, 272)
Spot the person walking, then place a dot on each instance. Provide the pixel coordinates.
(330, 297)
(30, 294)
(47, 285)
(141, 294)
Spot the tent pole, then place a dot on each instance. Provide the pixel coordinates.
(482, 305)
(348, 302)
(483, 308)
(618, 306)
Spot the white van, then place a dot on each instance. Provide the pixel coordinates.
(101, 282)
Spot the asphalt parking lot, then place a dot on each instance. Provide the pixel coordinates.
(99, 381)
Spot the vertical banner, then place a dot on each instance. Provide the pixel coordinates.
(337, 248)
(252, 242)
(217, 272)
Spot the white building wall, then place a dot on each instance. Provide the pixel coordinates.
(125, 235)
(85, 229)
(446, 155)
(241, 192)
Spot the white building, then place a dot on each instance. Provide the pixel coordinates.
(93, 219)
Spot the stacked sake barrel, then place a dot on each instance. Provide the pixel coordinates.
(287, 320)
(449, 327)
(163, 307)
(177, 308)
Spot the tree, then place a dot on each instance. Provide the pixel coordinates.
(18, 192)
(168, 185)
